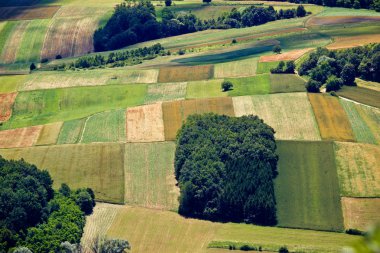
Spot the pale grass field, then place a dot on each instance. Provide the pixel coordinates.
(240, 68)
(360, 213)
(49, 134)
(165, 92)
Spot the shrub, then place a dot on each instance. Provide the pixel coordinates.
(234, 41)
(58, 56)
(226, 86)
(333, 84)
(181, 51)
(247, 248)
(168, 3)
(353, 231)
(277, 49)
(44, 60)
(32, 67)
(283, 250)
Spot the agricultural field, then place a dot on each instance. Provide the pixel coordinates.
(205, 89)
(332, 120)
(49, 134)
(353, 41)
(361, 95)
(20, 137)
(311, 200)
(371, 117)
(27, 12)
(181, 74)
(358, 169)
(281, 111)
(240, 68)
(360, 213)
(333, 20)
(176, 112)
(255, 85)
(285, 83)
(145, 123)
(104, 127)
(11, 83)
(287, 56)
(46, 106)
(12, 44)
(149, 175)
(6, 103)
(361, 130)
(98, 166)
(368, 84)
(165, 92)
(71, 131)
(265, 67)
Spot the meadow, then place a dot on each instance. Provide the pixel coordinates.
(205, 89)
(49, 134)
(255, 85)
(165, 92)
(285, 83)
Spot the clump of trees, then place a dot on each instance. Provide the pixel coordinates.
(226, 86)
(137, 22)
(225, 167)
(283, 68)
(32, 215)
(357, 4)
(337, 68)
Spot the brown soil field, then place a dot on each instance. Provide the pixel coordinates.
(332, 120)
(180, 74)
(353, 41)
(176, 112)
(6, 103)
(13, 43)
(316, 21)
(288, 56)
(49, 134)
(69, 37)
(360, 213)
(361, 95)
(20, 137)
(145, 123)
(28, 12)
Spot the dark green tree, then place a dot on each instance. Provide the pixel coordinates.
(226, 86)
(333, 83)
(348, 75)
(313, 86)
(301, 12)
(168, 3)
(32, 67)
(277, 49)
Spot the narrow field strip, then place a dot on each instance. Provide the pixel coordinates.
(97, 166)
(358, 169)
(360, 213)
(28, 12)
(361, 95)
(6, 103)
(149, 175)
(353, 41)
(368, 84)
(5, 33)
(49, 134)
(282, 112)
(13, 43)
(371, 117)
(332, 120)
(165, 92)
(287, 56)
(145, 123)
(182, 74)
(71, 131)
(236, 68)
(20, 137)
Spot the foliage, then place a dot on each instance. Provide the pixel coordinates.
(168, 3)
(84, 198)
(32, 67)
(333, 84)
(313, 86)
(133, 23)
(289, 68)
(369, 243)
(225, 167)
(22, 250)
(103, 245)
(226, 85)
(346, 64)
(283, 250)
(277, 49)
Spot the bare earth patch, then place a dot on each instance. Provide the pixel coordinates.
(288, 56)
(49, 134)
(28, 12)
(20, 137)
(145, 123)
(353, 41)
(6, 103)
(360, 213)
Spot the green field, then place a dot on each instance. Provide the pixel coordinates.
(240, 68)
(71, 131)
(149, 175)
(105, 127)
(337, 11)
(165, 92)
(286, 83)
(98, 166)
(205, 89)
(5, 33)
(11, 83)
(361, 131)
(307, 189)
(32, 41)
(254, 85)
(265, 67)
(45, 106)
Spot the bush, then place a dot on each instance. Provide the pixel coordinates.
(348, 75)
(181, 51)
(44, 60)
(247, 248)
(32, 67)
(283, 250)
(313, 86)
(333, 84)
(353, 231)
(290, 67)
(58, 56)
(168, 3)
(277, 49)
(226, 86)
(234, 41)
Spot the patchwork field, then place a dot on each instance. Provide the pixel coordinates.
(20, 137)
(28, 12)
(71, 131)
(333, 20)
(98, 166)
(284, 83)
(46, 106)
(180, 74)
(6, 31)
(254, 85)
(306, 188)
(360, 213)
(145, 123)
(165, 92)
(265, 67)
(205, 89)
(358, 169)
(282, 112)
(361, 95)
(66, 79)
(104, 127)
(287, 56)
(49, 134)
(11, 83)
(175, 113)
(236, 68)
(6, 102)
(361, 130)
(332, 120)
(149, 175)
(147, 228)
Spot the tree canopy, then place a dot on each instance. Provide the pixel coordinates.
(225, 167)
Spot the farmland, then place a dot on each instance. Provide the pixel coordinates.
(71, 131)
(307, 170)
(6, 103)
(254, 85)
(240, 68)
(281, 112)
(49, 134)
(11, 83)
(27, 12)
(165, 92)
(20, 137)
(180, 74)
(361, 95)
(287, 56)
(360, 213)
(284, 83)
(205, 89)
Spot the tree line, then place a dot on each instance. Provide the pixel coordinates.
(337, 68)
(225, 168)
(357, 4)
(137, 22)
